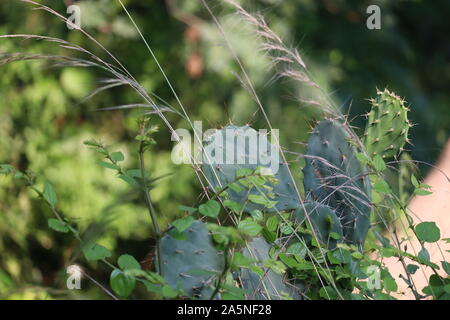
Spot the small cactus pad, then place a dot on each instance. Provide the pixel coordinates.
(184, 260)
(271, 286)
(323, 219)
(248, 149)
(387, 126)
(334, 177)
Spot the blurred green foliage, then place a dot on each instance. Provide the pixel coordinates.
(44, 120)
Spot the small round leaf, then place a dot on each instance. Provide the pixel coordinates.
(428, 232)
(121, 283)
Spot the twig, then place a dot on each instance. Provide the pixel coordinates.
(148, 200)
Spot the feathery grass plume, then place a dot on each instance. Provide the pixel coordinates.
(286, 60)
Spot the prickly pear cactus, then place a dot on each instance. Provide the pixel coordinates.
(183, 261)
(387, 125)
(248, 149)
(334, 177)
(323, 219)
(271, 286)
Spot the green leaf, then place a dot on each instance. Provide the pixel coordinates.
(341, 255)
(276, 266)
(298, 249)
(128, 179)
(183, 223)
(128, 262)
(93, 251)
(447, 288)
(235, 187)
(414, 181)
(357, 255)
(425, 186)
(122, 284)
(136, 173)
(328, 293)
(427, 231)
(422, 192)
(269, 235)
(272, 223)
(378, 163)
(220, 238)
(261, 199)
(257, 215)
(288, 260)
(335, 236)
(178, 235)
(258, 270)
(381, 186)
(446, 267)
(240, 261)
(249, 227)
(58, 225)
(152, 287)
(141, 137)
(92, 143)
(117, 156)
(6, 168)
(188, 209)
(424, 255)
(361, 157)
(232, 293)
(242, 172)
(236, 207)
(50, 194)
(19, 175)
(169, 292)
(210, 209)
(411, 268)
(389, 283)
(286, 229)
(109, 165)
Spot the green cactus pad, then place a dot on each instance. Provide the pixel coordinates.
(271, 286)
(387, 126)
(188, 263)
(220, 175)
(334, 177)
(323, 219)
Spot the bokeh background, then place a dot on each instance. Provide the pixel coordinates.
(44, 120)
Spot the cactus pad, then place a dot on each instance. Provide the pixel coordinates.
(184, 260)
(334, 177)
(387, 126)
(231, 142)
